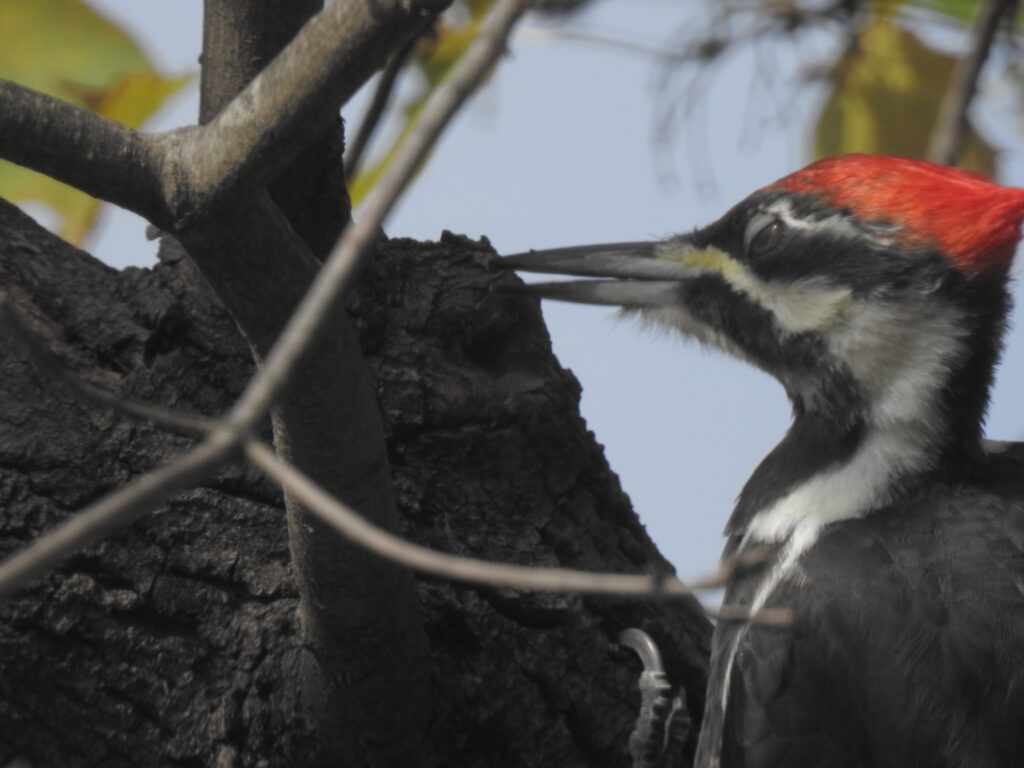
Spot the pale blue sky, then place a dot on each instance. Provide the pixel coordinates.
(558, 150)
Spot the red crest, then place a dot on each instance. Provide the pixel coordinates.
(970, 218)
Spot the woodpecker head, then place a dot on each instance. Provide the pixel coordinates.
(873, 288)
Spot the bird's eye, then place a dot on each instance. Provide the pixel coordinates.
(766, 238)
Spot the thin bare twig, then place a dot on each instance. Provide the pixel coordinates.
(744, 561)
(93, 523)
(355, 527)
(558, 34)
(950, 130)
(771, 617)
(121, 507)
(381, 98)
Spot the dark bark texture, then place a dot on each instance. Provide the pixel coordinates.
(175, 642)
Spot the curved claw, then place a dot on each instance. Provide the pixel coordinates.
(645, 648)
(662, 726)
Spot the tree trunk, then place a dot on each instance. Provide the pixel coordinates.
(366, 660)
(175, 642)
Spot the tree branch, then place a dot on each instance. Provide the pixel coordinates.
(237, 45)
(475, 571)
(255, 137)
(951, 123)
(468, 569)
(101, 157)
(381, 97)
(176, 177)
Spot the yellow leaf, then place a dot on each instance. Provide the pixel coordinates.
(133, 98)
(359, 186)
(435, 56)
(65, 49)
(885, 98)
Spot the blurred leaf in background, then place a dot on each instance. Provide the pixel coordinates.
(434, 56)
(65, 49)
(962, 10)
(886, 92)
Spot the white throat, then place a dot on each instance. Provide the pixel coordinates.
(866, 481)
(901, 357)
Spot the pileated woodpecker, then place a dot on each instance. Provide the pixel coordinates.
(875, 290)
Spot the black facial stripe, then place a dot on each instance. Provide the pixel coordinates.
(753, 328)
(859, 265)
(863, 262)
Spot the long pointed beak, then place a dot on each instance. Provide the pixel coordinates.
(635, 276)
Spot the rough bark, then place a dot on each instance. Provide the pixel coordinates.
(175, 642)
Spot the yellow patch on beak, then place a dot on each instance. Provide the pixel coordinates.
(808, 304)
(707, 259)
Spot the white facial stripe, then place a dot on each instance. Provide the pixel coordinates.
(835, 224)
(803, 305)
(798, 306)
(900, 352)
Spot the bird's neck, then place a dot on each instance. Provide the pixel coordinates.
(849, 455)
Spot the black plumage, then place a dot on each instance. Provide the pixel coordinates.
(907, 643)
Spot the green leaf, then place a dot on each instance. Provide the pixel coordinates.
(65, 49)
(885, 98)
(963, 10)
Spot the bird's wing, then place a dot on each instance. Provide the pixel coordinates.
(765, 699)
(906, 649)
